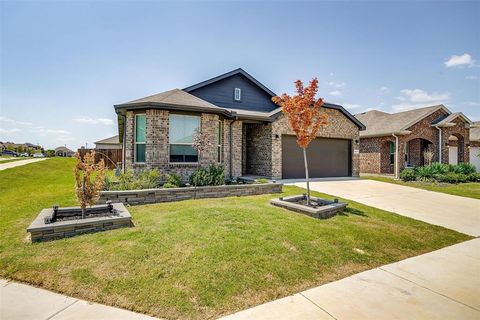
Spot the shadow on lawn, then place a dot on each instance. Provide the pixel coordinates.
(356, 212)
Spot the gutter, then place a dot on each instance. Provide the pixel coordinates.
(397, 174)
(439, 144)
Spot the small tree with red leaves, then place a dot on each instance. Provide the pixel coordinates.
(304, 115)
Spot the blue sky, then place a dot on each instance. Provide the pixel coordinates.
(65, 64)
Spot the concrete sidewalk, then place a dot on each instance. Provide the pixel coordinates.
(18, 163)
(461, 214)
(443, 284)
(23, 302)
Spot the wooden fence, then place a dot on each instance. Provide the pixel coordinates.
(111, 157)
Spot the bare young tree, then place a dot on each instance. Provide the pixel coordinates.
(428, 156)
(89, 180)
(303, 112)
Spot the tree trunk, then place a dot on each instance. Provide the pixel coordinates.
(306, 175)
(83, 205)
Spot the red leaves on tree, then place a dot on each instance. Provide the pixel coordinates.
(303, 111)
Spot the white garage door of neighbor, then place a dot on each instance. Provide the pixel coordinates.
(475, 157)
(453, 155)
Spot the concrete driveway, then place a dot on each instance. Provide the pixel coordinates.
(457, 213)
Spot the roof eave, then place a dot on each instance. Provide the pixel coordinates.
(166, 106)
(386, 134)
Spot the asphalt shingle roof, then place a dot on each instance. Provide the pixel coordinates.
(380, 123)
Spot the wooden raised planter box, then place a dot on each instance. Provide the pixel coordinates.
(135, 197)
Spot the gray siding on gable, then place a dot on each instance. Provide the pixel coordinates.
(220, 93)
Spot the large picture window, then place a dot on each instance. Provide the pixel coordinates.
(181, 132)
(140, 137)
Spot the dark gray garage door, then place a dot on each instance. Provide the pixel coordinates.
(326, 158)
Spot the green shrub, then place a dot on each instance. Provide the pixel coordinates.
(439, 168)
(145, 179)
(452, 177)
(168, 185)
(464, 168)
(210, 176)
(261, 180)
(408, 175)
(474, 177)
(173, 181)
(424, 173)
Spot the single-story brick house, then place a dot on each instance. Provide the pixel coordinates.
(108, 143)
(64, 152)
(393, 141)
(247, 132)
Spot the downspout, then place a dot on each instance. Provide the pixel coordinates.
(230, 147)
(439, 144)
(397, 175)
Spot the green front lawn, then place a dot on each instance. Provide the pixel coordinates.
(198, 258)
(470, 189)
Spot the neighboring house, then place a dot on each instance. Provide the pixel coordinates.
(475, 144)
(408, 134)
(108, 143)
(247, 132)
(64, 152)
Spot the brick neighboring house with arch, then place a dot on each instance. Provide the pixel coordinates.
(394, 141)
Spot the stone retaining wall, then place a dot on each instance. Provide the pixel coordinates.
(177, 194)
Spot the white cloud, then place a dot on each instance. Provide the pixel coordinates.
(12, 121)
(460, 61)
(9, 131)
(472, 77)
(331, 74)
(417, 98)
(88, 120)
(384, 90)
(335, 93)
(418, 95)
(336, 84)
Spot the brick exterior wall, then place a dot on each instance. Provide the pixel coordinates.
(260, 143)
(157, 144)
(259, 149)
(462, 133)
(264, 143)
(375, 155)
(375, 152)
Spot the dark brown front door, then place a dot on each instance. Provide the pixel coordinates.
(326, 158)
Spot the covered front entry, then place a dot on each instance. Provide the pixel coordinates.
(326, 158)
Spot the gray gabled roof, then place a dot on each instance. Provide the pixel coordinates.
(111, 140)
(229, 74)
(172, 99)
(380, 123)
(446, 121)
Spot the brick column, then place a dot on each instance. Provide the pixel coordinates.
(157, 153)
(356, 156)
(237, 133)
(129, 149)
(209, 126)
